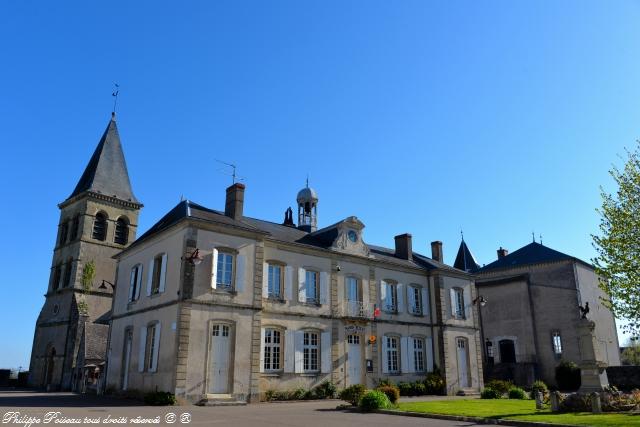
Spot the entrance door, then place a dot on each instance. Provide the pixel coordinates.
(219, 360)
(463, 363)
(126, 359)
(355, 360)
(49, 367)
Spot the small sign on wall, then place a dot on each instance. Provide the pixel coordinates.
(369, 365)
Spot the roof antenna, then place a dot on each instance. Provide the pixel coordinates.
(115, 93)
(533, 236)
(233, 174)
(462, 234)
(541, 239)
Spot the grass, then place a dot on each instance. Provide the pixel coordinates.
(520, 410)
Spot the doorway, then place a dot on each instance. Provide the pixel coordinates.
(507, 351)
(219, 358)
(354, 352)
(463, 362)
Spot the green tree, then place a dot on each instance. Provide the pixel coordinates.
(631, 354)
(618, 245)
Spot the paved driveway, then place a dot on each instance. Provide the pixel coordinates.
(17, 406)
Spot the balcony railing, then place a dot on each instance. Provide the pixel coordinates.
(356, 309)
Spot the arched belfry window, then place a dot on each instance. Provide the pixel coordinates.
(122, 231)
(100, 227)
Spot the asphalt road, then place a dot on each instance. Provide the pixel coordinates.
(20, 408)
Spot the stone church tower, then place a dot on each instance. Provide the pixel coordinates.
(97, 220)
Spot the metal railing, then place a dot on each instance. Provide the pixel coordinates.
(356, 309)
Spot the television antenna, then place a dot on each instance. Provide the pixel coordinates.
(233, 174)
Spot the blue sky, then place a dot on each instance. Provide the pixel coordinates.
(498, 118)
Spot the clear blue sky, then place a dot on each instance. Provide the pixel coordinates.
(425, 117)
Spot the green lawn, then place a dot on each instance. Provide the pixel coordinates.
(521, 410)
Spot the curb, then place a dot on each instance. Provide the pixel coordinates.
(476, 420)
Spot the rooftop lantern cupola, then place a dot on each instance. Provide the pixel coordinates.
(307, 209)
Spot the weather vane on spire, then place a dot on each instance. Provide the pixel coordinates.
(307, 180)
(462, 234)
(115, 93)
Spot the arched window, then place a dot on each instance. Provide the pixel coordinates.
(57, 272)
(100, 227)
(122, 231)
(74, 228)
(67, 273)
(64, 228)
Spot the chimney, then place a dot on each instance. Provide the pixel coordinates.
(502, 253)
(436, 251)
(403, 246)
(235, 201)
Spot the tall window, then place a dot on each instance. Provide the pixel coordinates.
(272, 349)
(351, 289)
(275, 281)
(135, 281)
(416, 300)
(67, 273)
(151, 349)
(458, 301)
(311, 349)
(391, 347)
(225, 270)
(157, 272)
(311, 286)
(100, 227)
(121, 232)
(390, 302)
(64, 229)
(57, 272)
(75, 224)
(418, 354)
(557, 343)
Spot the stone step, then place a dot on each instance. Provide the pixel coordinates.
(220, 400)
(468, 392)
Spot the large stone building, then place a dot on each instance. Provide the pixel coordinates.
(97, 221)
(215, 304)
(530, 316)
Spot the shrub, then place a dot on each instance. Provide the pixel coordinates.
(568, 376)
(517, 393)
(434, 383)
(489, 393)
(159, 398)
(406, 389)
(575, 403)
(501, 386)
(326, 390)
(353, 394)
(373, 400)
(392, 392)
(384, 381)
(539, 386)
(419, 389)
(297, 394)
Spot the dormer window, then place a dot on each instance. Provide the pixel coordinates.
(100, 227)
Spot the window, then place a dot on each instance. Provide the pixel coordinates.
(64, 229)
(275, 281)
(100, 227)
(557, 343)
(415, 299)
(351, 289)
(391, 348)
(311, 349)
(67, 273)
(75, 224)
(122, 231)
(458, 303)
(224, 278)
(157, 272)
(57, 272)
(151, 359)
(135, 282)
(418, 354)
(272, 349)
(220, 331)
(390, 301)
(311, 287)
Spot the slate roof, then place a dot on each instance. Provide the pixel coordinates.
(107, 172)
(465, 260)
(533, 253)
(321, 239)
(95, 341)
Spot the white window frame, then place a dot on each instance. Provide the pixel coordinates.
(392, 348)
(222, 270)
(390, 304)
(311, 351)
(273, 350)
(419, 347)
(275, 290)
(459, 303)
(152, 347)
(135, 282)
(348, 281)
(312, 298)
(556, 340)
(417, 307)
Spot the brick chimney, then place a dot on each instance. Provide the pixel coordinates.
(403, 246)
(502, 252)
(436, 251)
(235, 201)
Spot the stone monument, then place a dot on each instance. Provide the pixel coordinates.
(592, 368)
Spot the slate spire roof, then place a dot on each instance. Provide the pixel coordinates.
(106, 172)
(465, 260)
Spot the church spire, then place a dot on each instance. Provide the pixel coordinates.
(465, 260)
(106, 172)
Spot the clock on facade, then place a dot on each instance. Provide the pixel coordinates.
(352, 236)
